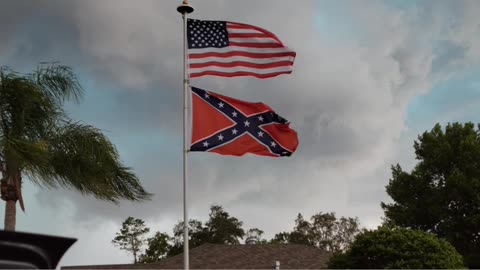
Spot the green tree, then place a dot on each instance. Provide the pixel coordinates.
(281, 238)
(196, 234)
(324, 231)
(40, 141)
(158, 247)
(337, 237)
(441, 194)
(220, 228)
(399, 248)
(131, 236)
(299, 235)
(301, 232)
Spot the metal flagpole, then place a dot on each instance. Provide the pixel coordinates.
(185, 9)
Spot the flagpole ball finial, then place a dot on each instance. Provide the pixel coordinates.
(185, 8)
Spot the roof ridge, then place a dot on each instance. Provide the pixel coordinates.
(181, 254)
(94, 265)
(236, 256)
(259, 245)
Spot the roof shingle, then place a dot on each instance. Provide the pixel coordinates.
(210, 256)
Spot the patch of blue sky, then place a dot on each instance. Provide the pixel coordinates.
(100, 108)
(449, 56)
(456, 99)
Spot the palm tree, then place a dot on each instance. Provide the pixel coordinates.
(38, 140)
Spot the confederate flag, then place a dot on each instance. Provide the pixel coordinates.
(230, 126)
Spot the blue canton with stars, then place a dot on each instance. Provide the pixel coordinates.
(205, 34)
(243, 124)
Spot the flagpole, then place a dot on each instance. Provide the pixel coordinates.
(185, 9)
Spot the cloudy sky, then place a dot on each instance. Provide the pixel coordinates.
(369, 77)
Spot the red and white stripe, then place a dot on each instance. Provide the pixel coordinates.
(252, 51)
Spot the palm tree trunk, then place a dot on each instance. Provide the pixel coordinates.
(10, 215)
(10, 196)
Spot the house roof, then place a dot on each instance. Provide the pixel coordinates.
(210, 256)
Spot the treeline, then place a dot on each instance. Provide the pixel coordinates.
(323, 230)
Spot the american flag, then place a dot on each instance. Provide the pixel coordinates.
(229, 49)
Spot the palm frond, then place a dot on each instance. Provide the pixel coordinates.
(58, 81)
(22, 153)
(25, 109)
(83, 159)
(37, 137)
